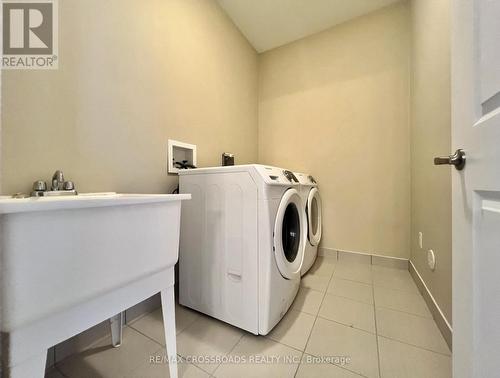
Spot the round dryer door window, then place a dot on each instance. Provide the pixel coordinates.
(289, 235)
(314, 217)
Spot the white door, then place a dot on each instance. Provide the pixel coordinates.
(476, 189)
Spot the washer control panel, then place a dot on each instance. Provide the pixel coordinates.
(290, 176)
(277, 176)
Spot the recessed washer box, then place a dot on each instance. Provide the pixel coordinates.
(179, 152)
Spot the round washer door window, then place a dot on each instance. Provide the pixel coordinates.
(289, 235)
(314, 217)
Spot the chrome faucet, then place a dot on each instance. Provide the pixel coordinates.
(59, 187)
(57, 181)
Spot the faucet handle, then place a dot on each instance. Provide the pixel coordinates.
(69, 185)
(39, 186)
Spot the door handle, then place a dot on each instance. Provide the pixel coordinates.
(457, 159)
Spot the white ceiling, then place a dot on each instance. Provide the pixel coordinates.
(271, 23)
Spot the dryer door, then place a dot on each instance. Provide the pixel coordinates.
(314, 217)
(289, 235)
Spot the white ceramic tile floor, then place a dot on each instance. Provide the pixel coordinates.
(351, 289)
(347, 308)
(309, 369)
(251, 345)
(410, 329)
(348, 312)
(354, 272)
(396, 279)
(308, 301)
(401, 301)
(294, 329)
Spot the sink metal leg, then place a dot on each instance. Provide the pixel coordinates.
(168, 309)
(117, 329)
(33, 367)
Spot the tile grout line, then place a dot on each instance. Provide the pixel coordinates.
(349, 298)
(346, 325)
(281, 343)
(99, 339)
(359, 282)
(370, 264)
(201, 316)
(376, 327)
(179, 357)
(298, 365)
(407, 313)
(176, 335)
(232, 348)
(164, 346)
(88, 347)
(387, 287)
(339, 366)
(316, 317)
(228, 353)
(148, 337)
(415, 346)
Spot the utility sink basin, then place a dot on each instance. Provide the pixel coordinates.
(68, 263)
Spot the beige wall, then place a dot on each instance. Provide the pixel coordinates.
(431, 136)
(132, 74)
(336, 105)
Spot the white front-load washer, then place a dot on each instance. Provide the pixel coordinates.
(242, 244)
(311, 202)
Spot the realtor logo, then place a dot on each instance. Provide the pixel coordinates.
(29, 34)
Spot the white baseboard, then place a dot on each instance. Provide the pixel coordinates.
(327, 252)
(370, 258)
(438, 315)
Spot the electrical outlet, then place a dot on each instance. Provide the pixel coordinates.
(431, 259)
(420, 240)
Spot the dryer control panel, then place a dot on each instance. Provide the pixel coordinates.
(305, 179)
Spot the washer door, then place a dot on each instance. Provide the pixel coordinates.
(289, 235)
(314, 217)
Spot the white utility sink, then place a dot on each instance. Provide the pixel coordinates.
(68, 263)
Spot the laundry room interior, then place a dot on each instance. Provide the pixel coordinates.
(337, 107)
